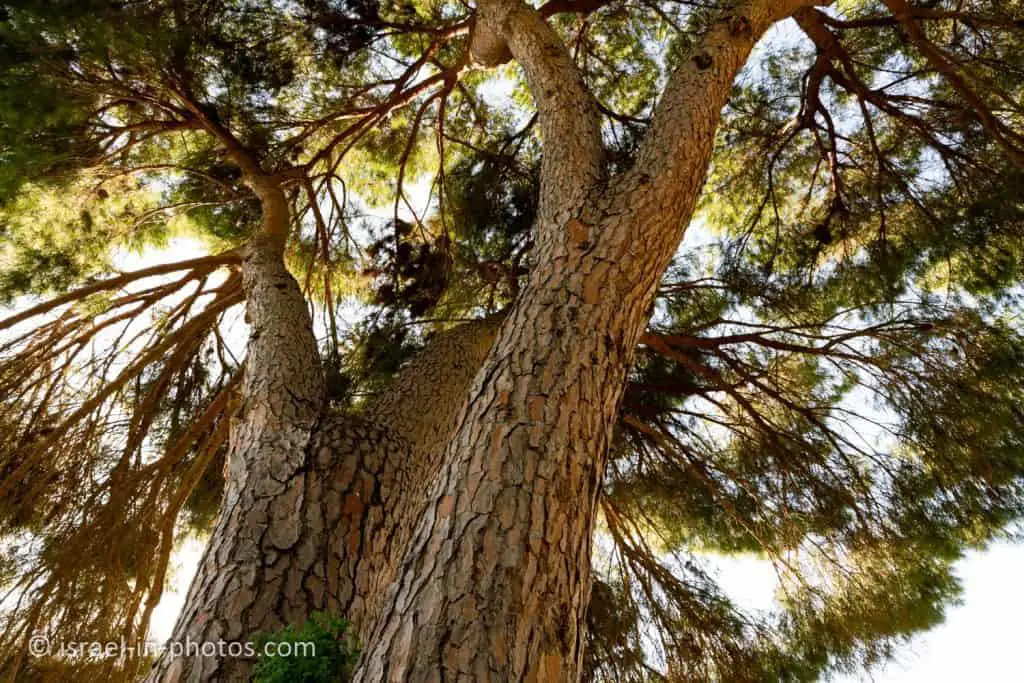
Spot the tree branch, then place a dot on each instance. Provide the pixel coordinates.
(1005, 136)
(691, 105)
(569, 118)
(201, 265)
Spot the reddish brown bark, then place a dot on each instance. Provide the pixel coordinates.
(496, 582)
(452, 519)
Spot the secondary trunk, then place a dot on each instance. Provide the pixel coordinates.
(252, 562)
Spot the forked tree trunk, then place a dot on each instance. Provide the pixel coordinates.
(317, 503)
(451, 521)
(497, 580)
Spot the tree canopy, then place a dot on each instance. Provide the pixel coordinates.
(833, 378)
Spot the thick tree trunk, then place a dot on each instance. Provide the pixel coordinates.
(496, 582)
(451, 521)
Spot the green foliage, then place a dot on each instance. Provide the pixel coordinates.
(56, 237)
(32, 101)
(335, 655)
(832, 382)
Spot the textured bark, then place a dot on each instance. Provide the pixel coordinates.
(378, 465)
(451, 520)
(314, 516)
(496, 582)
(246, 579)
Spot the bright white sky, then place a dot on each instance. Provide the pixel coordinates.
(980, 639)
(978, 642)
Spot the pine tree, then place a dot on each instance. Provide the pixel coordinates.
(553, 408)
